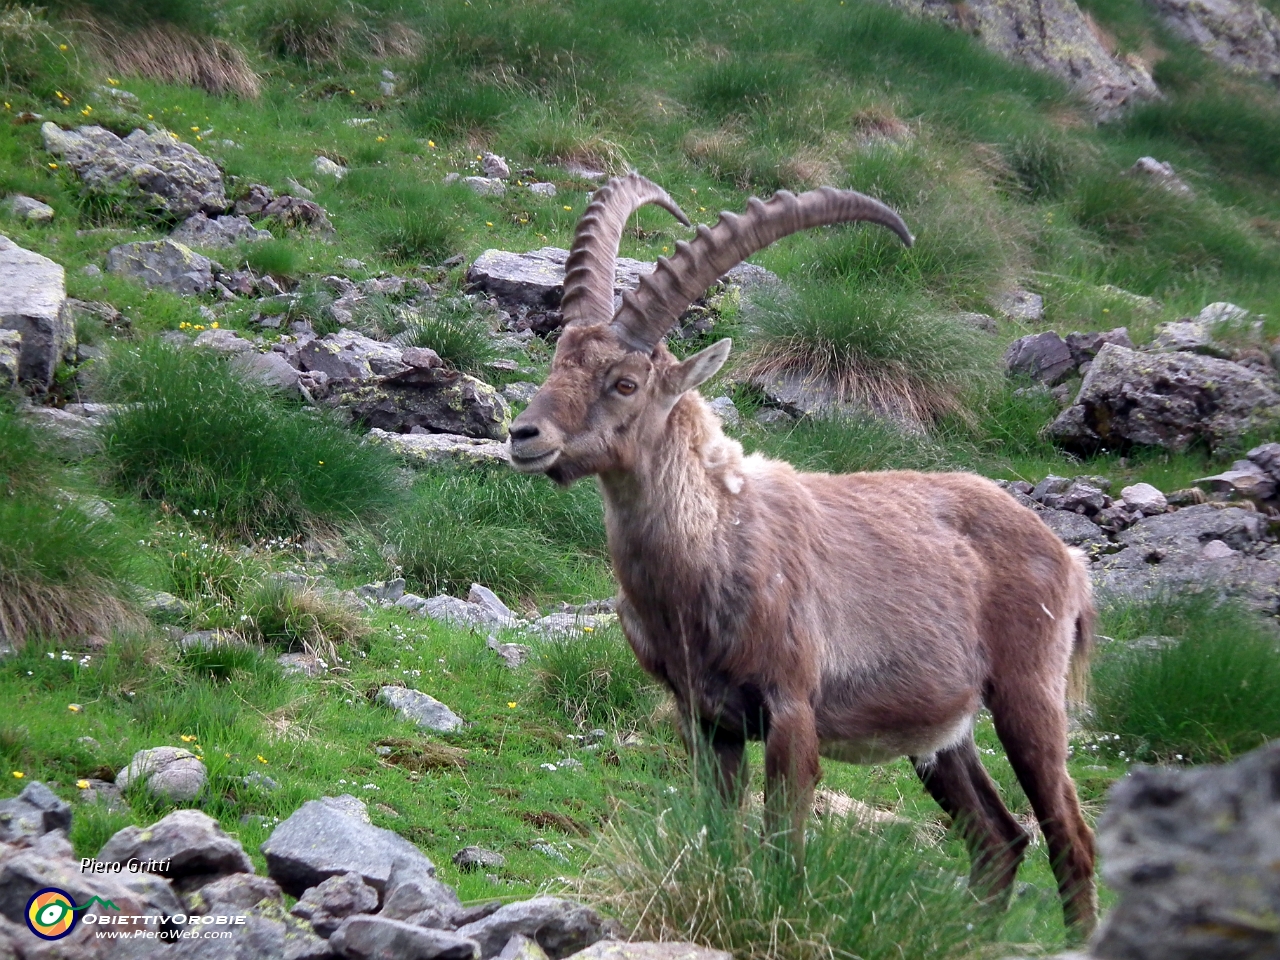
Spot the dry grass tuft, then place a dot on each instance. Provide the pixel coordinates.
(170, 54)
(396, 40)
(89, 606)
(880, 124)
(809, 167)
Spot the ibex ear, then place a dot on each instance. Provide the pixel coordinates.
(698, 369)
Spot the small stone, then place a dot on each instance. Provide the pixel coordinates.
(561, 927)
(91, 270)
(238, 890)
(325, 167)
(1145, 498)
(521, 391)
(378, 938)
(162, 263)
(1042, 356)
(486, 186)
(188, 843)
(512, 654)
(478, 858)
(423, 709)
(1021, 305)
(27, 208)
(387, 88)
(773, 417)
(1161, 174)
(298, 190)
(327, 904)
(1217, 550)
(260, 781)
(495, 167)
(169, 772)
(543, 189)
(37, 810)
(724, 408)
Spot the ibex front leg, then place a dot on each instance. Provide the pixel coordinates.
(791, 772)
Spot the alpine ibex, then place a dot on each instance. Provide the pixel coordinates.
(859, 617)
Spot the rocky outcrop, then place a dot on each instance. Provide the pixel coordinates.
(220, 233)
(22, 207)
(438, 400)
(1168, 400)
(430, 449)
(1054, 36)
(33, 302)
(157, 171)
(166, 264)
(1243, 34)
(1191, 855)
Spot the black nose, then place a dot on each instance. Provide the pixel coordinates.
(525, 431)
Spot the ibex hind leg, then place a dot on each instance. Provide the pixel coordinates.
(1033, 730)
(956, 778)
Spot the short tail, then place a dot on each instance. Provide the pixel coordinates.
(1081, 651)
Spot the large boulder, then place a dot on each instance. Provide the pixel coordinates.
(33, 302)
(37, 810)
(1054, 36)
(430, 449)
(10, 358)
(347, 355)
(1167, 400)
(561, 927)
(200, 231)
(261, 932)
(71, 437)
(318, 842)
(378, 938)
(162, 263)
(1243, 34)
(1192, 856)
(186, 845)
(1041, 356)
(157, 170)
(439, 401)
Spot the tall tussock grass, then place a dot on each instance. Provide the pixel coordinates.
(229, 453)
(171, 53)
(699, 871)
(594, 679)
(63, 565)
(1188, 677)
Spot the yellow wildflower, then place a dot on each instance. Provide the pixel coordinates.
(488, 223)
(567, 207)
(74, 707)
(53, 166)
(431, 144)
(113, 81)
(261, 758)
(511, 704)
(186, 737)
(18, 774)
(214, 325)
(82, 784)
(62, 46)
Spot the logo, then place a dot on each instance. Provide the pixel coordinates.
(52, 914)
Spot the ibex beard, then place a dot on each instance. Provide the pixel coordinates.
(859, 617)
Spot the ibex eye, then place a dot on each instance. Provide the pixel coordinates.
(625, 387)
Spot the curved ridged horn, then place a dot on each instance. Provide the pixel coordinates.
(589, 271)
(649, 311)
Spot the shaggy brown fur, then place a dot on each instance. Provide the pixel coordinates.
(860, 617)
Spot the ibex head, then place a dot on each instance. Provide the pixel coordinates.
(612, 382)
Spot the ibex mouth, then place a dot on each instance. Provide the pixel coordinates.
(534, 464)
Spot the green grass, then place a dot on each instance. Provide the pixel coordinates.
(232, 455)
(1205, 690)
(453, 329)
(518, 535)
(594, 679)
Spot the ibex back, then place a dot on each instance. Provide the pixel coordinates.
(859, 617)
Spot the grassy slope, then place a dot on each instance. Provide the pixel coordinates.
(999, 177)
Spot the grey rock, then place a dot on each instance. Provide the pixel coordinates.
(255, 199)
(348, 805)
(164, 605)
(979, 321)
(1267, 457)
(1222, 312)
(498, 612)
(1245, 479)
(433, 401)
(347, 355)
(162, 263)
(1167, 400)
(166, 771)
(327, 904)
(22, 207)
(773, 417)
(1216, 550)
(235, 891)
(271, 369)
(1191, 336)
(621, 950)
(1191, 855)
(10, 358)
(1161, 174)
(748, 277)
(512, 654)
(521, 391)
(1074, 529)
(325, 167)
(189, 843)
(387, 88)
(1145, 497)
(1056, 37)
(267, 933)
(476, 858)
(1042, 356)
(521, 947)
(423, 709)
(33, 301)
(71, 438)
(224, 341)
(725, 409)
(35, 811)
(429, 449)
(382, 592)
(162, 174)
(226, 231)
(543, 189)
(318, 842)
(379, 938)
(259, 780)
(306, 664)
(297, 213)
(495, 166)
(1242, 34)
(560, 927)
(1085, 346)
(420, 900)
(485, 186)
(297, 189)
(1020, 305)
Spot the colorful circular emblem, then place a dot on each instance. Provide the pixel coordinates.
(51, 914)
